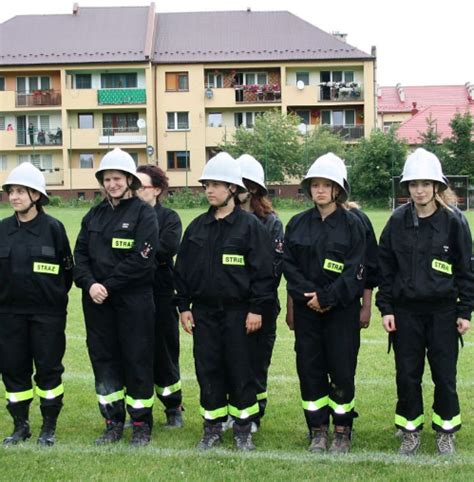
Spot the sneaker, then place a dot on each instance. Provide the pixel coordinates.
(445, 443)
(410, 443)
(141, 434)
(174, 417)
(47, 435)
(113, 433)
(341, 443)
(319, 439)
(211, 437)
(243, 437)
(21, 432)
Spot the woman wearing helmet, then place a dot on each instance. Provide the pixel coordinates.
(223, 279)
(323, 264)
(114, 268)
(36, 269)
(426, 296)
(256, 201)
(166, 359)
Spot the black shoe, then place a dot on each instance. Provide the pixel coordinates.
(46, 437)
(21, 432)
(141, 434)
(243, 437)
(174, 417)
(113, 433)
(212, 436)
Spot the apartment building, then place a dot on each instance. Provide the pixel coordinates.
(167, 88)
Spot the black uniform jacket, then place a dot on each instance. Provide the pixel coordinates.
(274, 228)
(325, 256)
(425, 264)
(170, 236)
(116, 246)
(225, 262)
(35, 266)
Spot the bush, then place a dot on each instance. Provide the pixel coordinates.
(185, 199)
(55, 201)
(300, 203)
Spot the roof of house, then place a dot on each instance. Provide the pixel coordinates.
(442, 115)
(134, 34)
(243, 36)
(424, 96)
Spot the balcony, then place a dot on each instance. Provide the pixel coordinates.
(122, 135)
(39, 138)
(219, 135)
(346, 132)
(121, 96)
(257, 94)
(38, 98)
(54, 176)
(7, 100)
(340, 92)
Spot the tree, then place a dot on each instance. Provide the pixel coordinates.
(375, 160)
(321, 141)
(459, 148)
(431, 138)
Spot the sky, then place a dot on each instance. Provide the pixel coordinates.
(419, 42)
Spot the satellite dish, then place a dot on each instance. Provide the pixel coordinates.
(208, 93)
(300, 85)
(302, 128)
(141, 123)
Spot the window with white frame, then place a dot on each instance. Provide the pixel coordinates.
(304, 115)
(86, 161)
(214, 119)
(2, 123)
(245, 119)
(3, 162)
(252, 78)
(41, 161)
(177, 121)
(338, 117)
(337, 76)
(30, 84)
(214, 80)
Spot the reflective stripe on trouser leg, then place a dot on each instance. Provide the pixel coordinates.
(14, 397)
(169, 390)
(446, 425)
(341, 408)
(213, 414)
(143, 403)
(111, 397)
(313, 406)
(245, 413)
(409, 425)
(51, 393)
(262, 396)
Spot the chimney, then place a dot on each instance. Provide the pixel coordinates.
(340, 36)
(400, 92)
(470, 91)
(75, 9)
(414, 110)
(249, 10)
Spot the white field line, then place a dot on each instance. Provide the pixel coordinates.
(385, 458)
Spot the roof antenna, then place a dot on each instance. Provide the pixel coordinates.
(75, 9)
(249, 9)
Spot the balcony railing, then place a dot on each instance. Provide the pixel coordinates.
(39, 137)
(121, 96)
(257, 94)
(53, 176)
(38, 98)
(347, 132)
(123, 135)
(344, 93)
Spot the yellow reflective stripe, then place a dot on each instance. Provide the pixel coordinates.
(144, 403)
(331, 265)
(19, 396)
(342, 408)
(262, 396)
(165, 391)
(111, 397)
(446, 424)
(233, 259)
(245, 413)
(51, 393)
(213, 414)
(312, 406)
(46, 268)
(119, 243)
(409, 424)
(442, 266)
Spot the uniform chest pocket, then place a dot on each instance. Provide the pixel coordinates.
(123, 236)
(44, 260)
(335, 257)
(440, 259)
(4, 253)
(233, 253)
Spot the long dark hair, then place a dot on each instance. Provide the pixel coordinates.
(157, 176)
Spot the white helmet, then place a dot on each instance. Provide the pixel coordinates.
(252, 170)
(423, 164)
(30, 176)
(328, 166)
(224, 168)
(118, 160)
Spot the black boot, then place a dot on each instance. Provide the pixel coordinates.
(113, 433)
(211, 437)
(174, 417)
(243, 437)
(21, 431)
(46, 437)
(141, 434)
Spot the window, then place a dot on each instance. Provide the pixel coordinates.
(177, 82)
(252, 78)
(178, 160)
(85, 121)
(30, 84)
(83, 81)
(303, 76)
(337, 76)
(118, 81)
(134, 156)
(41, 161)
(3, 162)
(215, 81)
(81, 196)
(304, 115)
(86, 161)
(214, 119)
(2, 123)
(338, 117)
(2, 83)
(178, 121)
(120, 122)
(245, 119)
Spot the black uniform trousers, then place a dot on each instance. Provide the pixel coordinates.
(120, 334)
(26, 339)
(326, 348)
(223, 365)
(262, 343)
(434, 335)
(166, 364)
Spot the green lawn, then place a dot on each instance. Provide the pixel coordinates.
(281, 444)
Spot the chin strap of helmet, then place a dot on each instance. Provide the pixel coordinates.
(227, 199)
(127, 189)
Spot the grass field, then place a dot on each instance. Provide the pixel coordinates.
(281, 444)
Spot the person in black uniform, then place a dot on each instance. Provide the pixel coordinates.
(115, 270)
(223, 277)
(426, 296)
(256, 201)
(36, 269)
(166, 361)
(323, 264)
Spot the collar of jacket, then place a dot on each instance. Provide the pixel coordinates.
(332, 219)
(33, 226)
(230, 218)
(435, 219)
